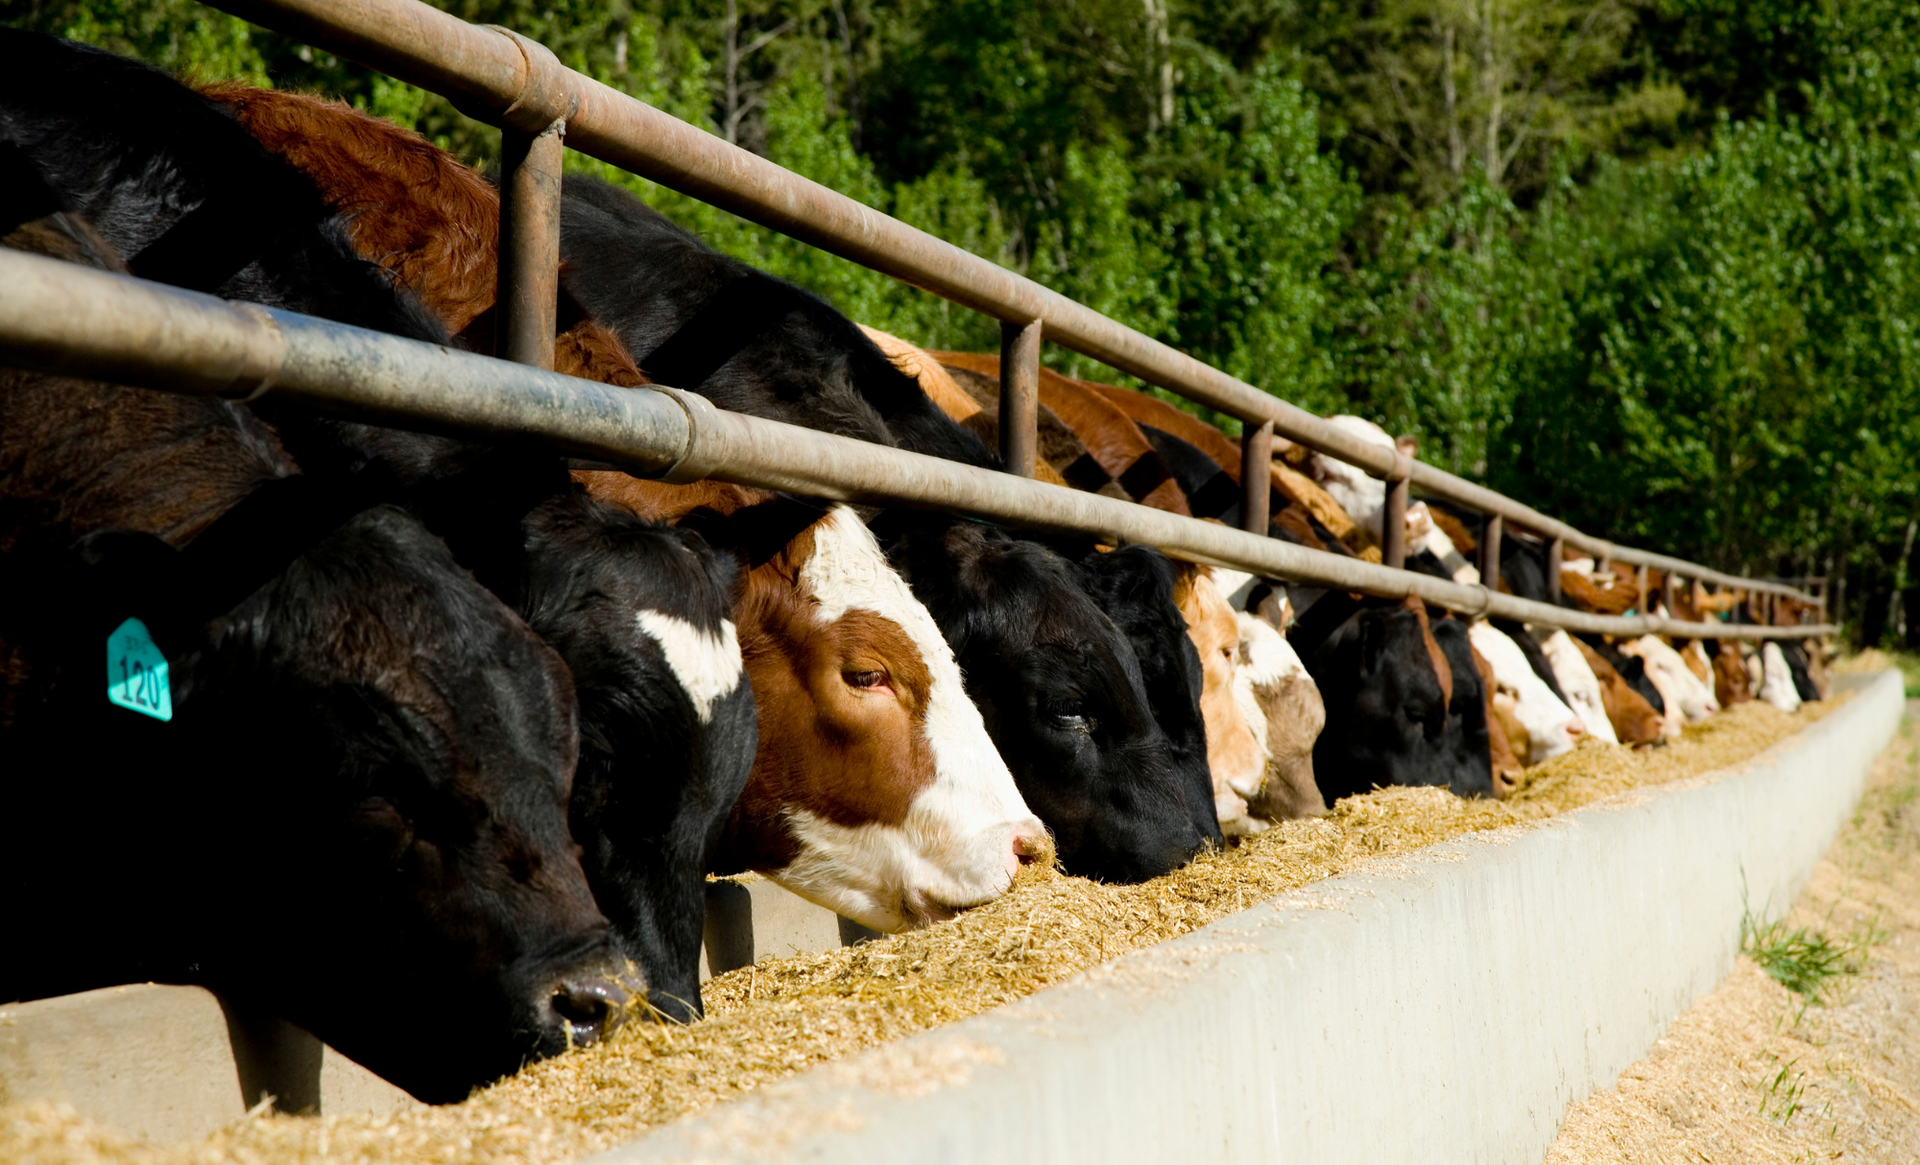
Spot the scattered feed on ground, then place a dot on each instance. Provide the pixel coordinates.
(780, 1017)
(1810, 1051)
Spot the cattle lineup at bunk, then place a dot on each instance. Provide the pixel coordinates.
(452, 734)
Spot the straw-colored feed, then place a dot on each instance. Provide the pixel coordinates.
(781, 1017)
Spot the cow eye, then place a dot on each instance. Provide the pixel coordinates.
(1069, 716)
(865, 679)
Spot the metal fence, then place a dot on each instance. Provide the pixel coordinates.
(61, 317)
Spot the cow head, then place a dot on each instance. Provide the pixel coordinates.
(374, 758)
(1387, 709)
(1582, 687)
(1061, 692)
(1234, 755)
(1730, 682)
(1635, 721)
(1282, 705)
(643, 616)
(1550, 726)
(1135, 586)
(876, 791)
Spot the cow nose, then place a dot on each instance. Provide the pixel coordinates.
(589, 1007)
(1032, 845)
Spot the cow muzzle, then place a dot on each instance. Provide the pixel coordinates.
(583, 1005)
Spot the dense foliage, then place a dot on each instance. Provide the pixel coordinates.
(1643, 263)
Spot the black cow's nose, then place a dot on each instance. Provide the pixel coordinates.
(589, 1007)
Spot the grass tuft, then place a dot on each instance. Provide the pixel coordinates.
(1803, 960)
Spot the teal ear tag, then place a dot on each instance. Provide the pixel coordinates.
(137, 672)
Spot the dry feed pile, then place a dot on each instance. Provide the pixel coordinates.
(781, 1017)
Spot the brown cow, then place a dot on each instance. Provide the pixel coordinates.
(415, 210)
(1233, 749)
(1282, 705)
(875, 791)
(1633, 718)
(1731, 684)
(1115, 442)
(1503, 729)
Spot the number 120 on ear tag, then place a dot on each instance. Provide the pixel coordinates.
(137, 672)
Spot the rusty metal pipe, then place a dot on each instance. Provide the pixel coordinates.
(1394, 515)
(1256, 477)
(529, 271)
(1490, 551)
(503, 78)
(61, 317)
(1020, 397)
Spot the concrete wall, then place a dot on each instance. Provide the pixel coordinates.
(163, 1063)
(1441, 1007)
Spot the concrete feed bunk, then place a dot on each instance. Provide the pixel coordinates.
(1452, 996)
(1445, 1006)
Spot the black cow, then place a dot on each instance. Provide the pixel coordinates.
(1795, 652)
(661, 763)
(356, 816)
(172, 179)
(1466, 711)
(1134, 586)
(699, 320)
(1388, 719)
(1062, 694)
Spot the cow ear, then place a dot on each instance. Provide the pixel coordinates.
(115, 575)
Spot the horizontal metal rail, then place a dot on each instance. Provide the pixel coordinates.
(64, 318)
(503, 78)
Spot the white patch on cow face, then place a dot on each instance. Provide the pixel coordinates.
(1776, 684)
(1551, 726)
(957, 845)
(1695, 696)
(1364, 498)
(1436, 543)
(1265, 658)
(1580, 684)
(706, 663)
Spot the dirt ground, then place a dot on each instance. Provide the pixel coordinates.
(1756, 1073)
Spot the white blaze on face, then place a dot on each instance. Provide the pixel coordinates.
(1551, 725)
(957, 845)
(1265, 659)
(1580, 684)
(707, 663)
(1364, 498)
(1776, 682)
(1697, 701)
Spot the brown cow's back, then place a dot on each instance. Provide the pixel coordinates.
(1122, 451)
(415, 210)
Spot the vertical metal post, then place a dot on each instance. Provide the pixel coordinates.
(1556, 550)
(1393, 526)
(529, 279)
(1490, 552)
(1019, 396)
(1256, 476)
(1667, 583)
(1640, 583)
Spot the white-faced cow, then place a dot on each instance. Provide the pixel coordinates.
(875, 789)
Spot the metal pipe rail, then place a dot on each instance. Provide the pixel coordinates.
(64, 318)
(503, 78)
